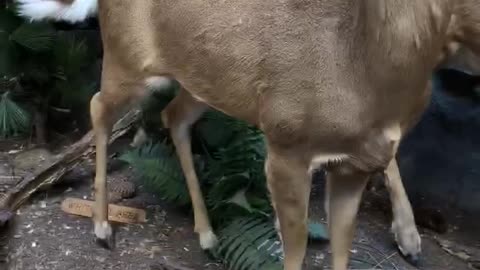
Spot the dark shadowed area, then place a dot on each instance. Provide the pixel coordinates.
(439, 160)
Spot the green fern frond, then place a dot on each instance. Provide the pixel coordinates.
(9, 21)
(34, 36)
(234, 187)
(241, 204)
(215, 129)
(75, 92)
(249, 244)
(252, 243)
(34, 70)
(226, 213)
(159, 171)
(259, 200)
(245, 153)
(70, 55)
(8, 54)
(238, 167)
(73, 72)
(14, 120)
(226, 187)
(8, 59)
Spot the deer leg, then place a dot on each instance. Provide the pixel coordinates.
(179, 116)
(103, 114)
(289, 184)
(327, 198)
(102, 124)
(140, 137)
(105, 106)
(403, 225)
(345, 194)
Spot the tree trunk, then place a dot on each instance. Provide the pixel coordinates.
(40, 121)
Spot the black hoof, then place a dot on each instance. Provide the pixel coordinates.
(108, 243)
(413, 260)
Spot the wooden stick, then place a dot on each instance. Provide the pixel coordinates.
(116, 213)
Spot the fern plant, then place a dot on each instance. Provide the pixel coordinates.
(14, 120)
(160, 171)
(233, 180)
(17, 40)
(229, 158)
(53, 69)
(250, 244)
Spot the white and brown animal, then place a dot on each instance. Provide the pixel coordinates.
(333, 83)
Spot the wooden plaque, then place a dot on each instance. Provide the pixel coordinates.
(116, 213)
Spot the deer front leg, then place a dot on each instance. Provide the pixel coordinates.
(104, 108)
(116, 95)
(179, 116)
(345, 192)
(102, 124)
(403, 225)
(326, 198)
(289, 184)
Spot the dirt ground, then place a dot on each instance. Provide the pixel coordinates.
(44, 237)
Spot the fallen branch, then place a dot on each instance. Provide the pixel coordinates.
(64, 162)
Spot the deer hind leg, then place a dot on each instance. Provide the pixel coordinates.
(289, 183)
(345, 194)
(105, 107)
(182, 112)
(326, 198)
(403, 225)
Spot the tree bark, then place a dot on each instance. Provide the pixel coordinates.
(40, 121)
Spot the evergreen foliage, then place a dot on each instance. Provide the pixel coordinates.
(51, 68)
(13, 119)
(231, 173)
(160, 171)
(250, 244)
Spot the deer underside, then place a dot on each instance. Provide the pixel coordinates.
(283, 78)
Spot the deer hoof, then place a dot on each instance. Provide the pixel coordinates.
(208, 240)
(408, 242)
(413, 260)
(104, 235)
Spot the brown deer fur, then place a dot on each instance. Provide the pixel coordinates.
(328, 82)
(332, 83)
(464, 60)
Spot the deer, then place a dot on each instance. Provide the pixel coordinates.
(333, 84)
(462, 59)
